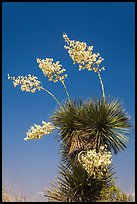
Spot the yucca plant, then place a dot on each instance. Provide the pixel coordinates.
(90, 124)
(83, 127)
(74, 184)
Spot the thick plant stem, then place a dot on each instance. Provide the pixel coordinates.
(66, 90)
(52, 96)
(102, 86)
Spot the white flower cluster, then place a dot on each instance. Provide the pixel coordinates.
(52, 70)
(83, 55)
(96, 163)
(37, 131)
(28, 83)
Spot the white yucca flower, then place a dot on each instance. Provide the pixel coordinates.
(37, 131)
(53, 70)
(28, 83)
(95, 163)
(83, 55)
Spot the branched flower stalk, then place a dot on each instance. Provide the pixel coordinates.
(30, 84)
(83, 55)
(54, 71)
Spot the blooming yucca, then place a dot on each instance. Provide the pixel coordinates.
(88, 132)
(83, 55)
(52, 70)
(37, 131)
(28, 83)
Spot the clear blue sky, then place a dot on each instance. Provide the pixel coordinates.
(31, 30)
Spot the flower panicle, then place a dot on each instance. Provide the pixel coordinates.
(83, 55)
(96, 163)
(53, 70)
(37, 131)
(28, 83)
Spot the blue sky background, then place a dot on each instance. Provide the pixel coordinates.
(31, 30)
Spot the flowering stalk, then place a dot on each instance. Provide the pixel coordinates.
(83, 55)
(30, 84)
(66, 89)
(102, 86)
(54, 71)
(52, 96)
